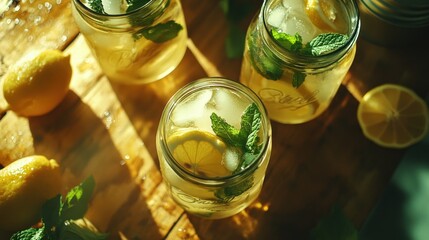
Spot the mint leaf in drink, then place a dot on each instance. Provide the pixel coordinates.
(77, 200)
(321, 44)
(326, 42)
(96, 6)
(228, 193)
(289, 42)
(298, 79)
(224, 130)
(161, 32)
(250, 125)
(246, 139)
(262, 60)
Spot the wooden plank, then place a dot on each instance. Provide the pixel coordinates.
(33, 26)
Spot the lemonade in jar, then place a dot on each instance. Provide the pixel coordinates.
(297, 53)
(134, 41)
(214, 145)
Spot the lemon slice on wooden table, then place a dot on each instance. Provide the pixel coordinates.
(393, 116)
(36, 85)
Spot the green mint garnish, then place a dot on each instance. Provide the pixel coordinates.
(58, 216)
(264, 64)
(96, 6)
(326, 42)
(228, 193)
(321, 44)
(298, 79)
(292, 43)
(246, 138)
(161, 32)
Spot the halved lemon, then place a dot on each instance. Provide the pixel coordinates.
(200, 152)
(393, 116)
(326, 15)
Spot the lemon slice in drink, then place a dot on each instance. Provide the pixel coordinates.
(326, 15)
(393, 116)
(200, 152)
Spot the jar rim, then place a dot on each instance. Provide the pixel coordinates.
(192, 88)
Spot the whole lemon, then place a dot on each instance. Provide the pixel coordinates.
(25, 185)
(37, 85)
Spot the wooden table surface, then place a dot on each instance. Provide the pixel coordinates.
(108, 130)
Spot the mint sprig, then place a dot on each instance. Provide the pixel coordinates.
(58, 215)
(266, 64)
(160, 32)
(246, 139)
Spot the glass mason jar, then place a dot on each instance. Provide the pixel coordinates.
(297, 53)
(138, 45)
(208, 174)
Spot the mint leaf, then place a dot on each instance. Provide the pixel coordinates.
(298, 79)
(327, 42)
(334, 226)
(51, 212)
(225, 131)
(77, 200)
(228, 193)
(96, 6)
(321, 44)
(29, 234)
(161, 32)
(289, 42)
(263, 63)
(247, 139)
(250, 125)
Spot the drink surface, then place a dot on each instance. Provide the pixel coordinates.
(294, 92)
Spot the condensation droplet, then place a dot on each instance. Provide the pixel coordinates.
(108, 119)
(37, 20)
(64, 38)
(48, 6)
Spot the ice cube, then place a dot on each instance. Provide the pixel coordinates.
(112, 7)
(231, 158)
(294, 4)
(298, 22)
(192, 110)
(276, 16)
(229, 106)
